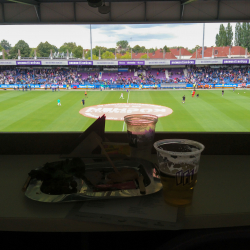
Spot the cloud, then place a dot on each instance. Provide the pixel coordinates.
(108, 27)
(144, 26)
(135, 26)
(141, 37)
(148, 35)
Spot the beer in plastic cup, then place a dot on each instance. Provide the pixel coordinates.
(178, 161)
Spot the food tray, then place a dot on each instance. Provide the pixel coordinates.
(86, 192)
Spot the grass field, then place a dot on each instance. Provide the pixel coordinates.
(38, 111)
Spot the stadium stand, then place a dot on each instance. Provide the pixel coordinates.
(202, 77)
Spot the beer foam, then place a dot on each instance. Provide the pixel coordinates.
(172, 168)
(182, 159)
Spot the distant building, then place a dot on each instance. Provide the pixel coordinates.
(221, 52)
(181, 53)
(138, 55)
(158, 54)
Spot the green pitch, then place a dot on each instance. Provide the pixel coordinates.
(38, 111)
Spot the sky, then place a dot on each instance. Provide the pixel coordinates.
(148, 35)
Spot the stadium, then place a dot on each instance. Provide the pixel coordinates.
(47, 104)
(30, 90)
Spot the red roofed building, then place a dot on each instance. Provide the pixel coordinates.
(238, 51)
(169, 55)
(138, 55)
(181, 53)
(158, 54)
(221, 52)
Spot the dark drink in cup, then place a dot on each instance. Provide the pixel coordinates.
(141, 132)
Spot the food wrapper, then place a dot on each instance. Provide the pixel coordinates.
(115, 186)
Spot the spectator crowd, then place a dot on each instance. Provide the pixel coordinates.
(199, 76)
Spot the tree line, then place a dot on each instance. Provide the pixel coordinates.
(241, 35)
(123, 50)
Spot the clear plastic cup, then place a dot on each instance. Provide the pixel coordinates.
(141, 132)
(178, 161)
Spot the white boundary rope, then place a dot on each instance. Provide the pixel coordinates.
(124, 122)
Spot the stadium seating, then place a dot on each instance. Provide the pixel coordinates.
(116, 75)
(152, 76)
(176, 73)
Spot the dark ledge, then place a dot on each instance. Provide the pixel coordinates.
(53, 142)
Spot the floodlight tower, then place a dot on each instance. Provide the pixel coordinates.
(203, 41)
(91, 43)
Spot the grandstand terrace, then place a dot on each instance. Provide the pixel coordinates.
(221, 66)
(134, 77)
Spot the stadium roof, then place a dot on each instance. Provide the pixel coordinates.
(122, 11)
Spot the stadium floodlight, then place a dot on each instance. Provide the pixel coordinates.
(95, 3)
(28, 2)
